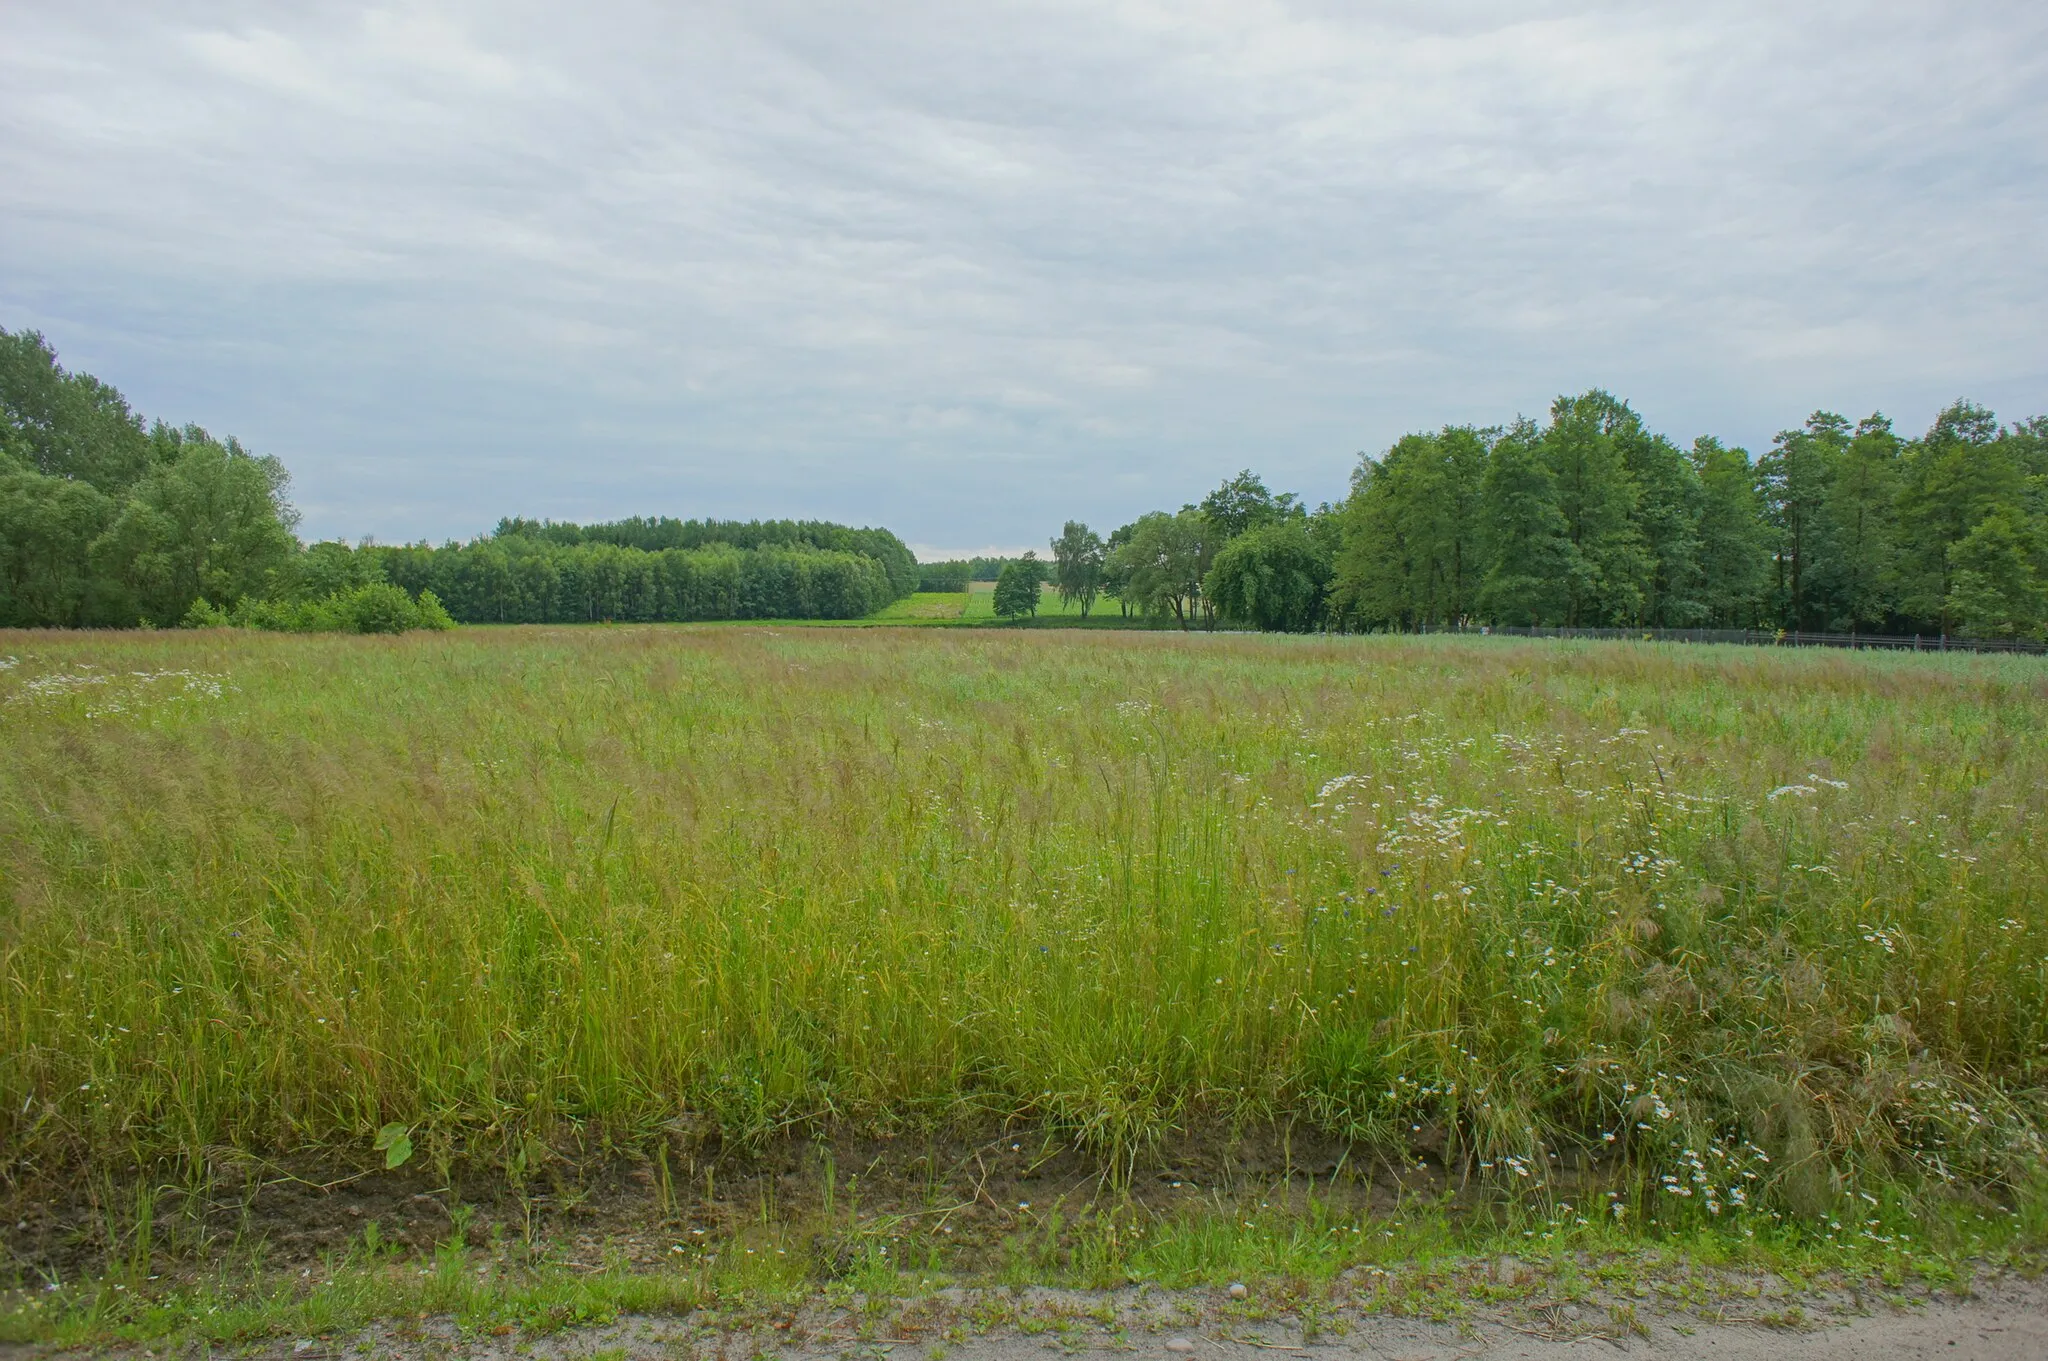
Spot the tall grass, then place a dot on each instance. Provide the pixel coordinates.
(1767, 929)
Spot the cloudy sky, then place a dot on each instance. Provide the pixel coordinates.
(968, 270)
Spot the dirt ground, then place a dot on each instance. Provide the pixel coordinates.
(2000, 1320)
(634, 1211)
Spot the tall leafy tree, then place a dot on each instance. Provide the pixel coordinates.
(1529, 553)
(1412, 528)
(1077, 565)
(1243, 503)
(210, 521)
(1018, 587)
(61, 424)
(1951, 479)
(1273, 577)
(1796, 474)
(1858, 577)
(1669, 504)
(1116, 568)
(1997, 586)
(1164, 561)
(47, 525)
(1608, 568)
(1734, 541)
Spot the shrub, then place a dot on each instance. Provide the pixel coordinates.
(377, 607)
(204, 615)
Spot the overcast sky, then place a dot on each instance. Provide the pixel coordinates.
(970, 269)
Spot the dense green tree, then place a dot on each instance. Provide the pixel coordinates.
(1795, 478)
(68, 425)
(1951, 479)
(1116, 569)
(653, 534)
(1608, 569)
(210, 520)
(1273, 576)
(1019, 586)
(1858, 577)
(1243, 504)
(1528, 547)
(47, 525)
(1734, 541)
(328, 568)
(1164, 561)
(1996, 581)
(1670, 502)
(1411, 531)
(1077, 556)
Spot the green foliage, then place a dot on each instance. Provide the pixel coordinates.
(65, 425)
(521, 579)
(1998, 587)
(1858, 580)
(1019, 586)
(394, 1141)
(47, 525)
(374, 607)
(1951, 481)
(936, 577)
(102, 524)
(210, 519)
(1527, 547)
(206, 615)
(1734, 541)
(1412, 531)
(1606, 561)
(659, 535)
(1243, 504)
(1273, 577)
(1594, 520)
(1162, 562)
(1077, 556)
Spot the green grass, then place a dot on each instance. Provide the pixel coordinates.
(923, 607)
(1052, 611)
(1747, 938)
(1313, 1267)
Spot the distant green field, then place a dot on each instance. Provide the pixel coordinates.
(923, 607)
(981, 606)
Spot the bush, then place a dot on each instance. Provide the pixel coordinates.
(204, 615)
(377, 607)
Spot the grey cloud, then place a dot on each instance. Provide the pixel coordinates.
(969, 270)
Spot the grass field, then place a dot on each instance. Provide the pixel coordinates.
(1627, 932)
(975, 607)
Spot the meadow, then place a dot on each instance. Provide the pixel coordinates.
(1610, 932)
(975, 607)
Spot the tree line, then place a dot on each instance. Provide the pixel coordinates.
(1593, 520)
(106, 521)
(1588, 519)
(555, 573)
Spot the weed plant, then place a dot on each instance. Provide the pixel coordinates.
(1624, 931)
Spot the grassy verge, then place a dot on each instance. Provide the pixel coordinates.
(1313, 1269)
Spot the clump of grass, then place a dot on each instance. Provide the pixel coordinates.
(1737, 935)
